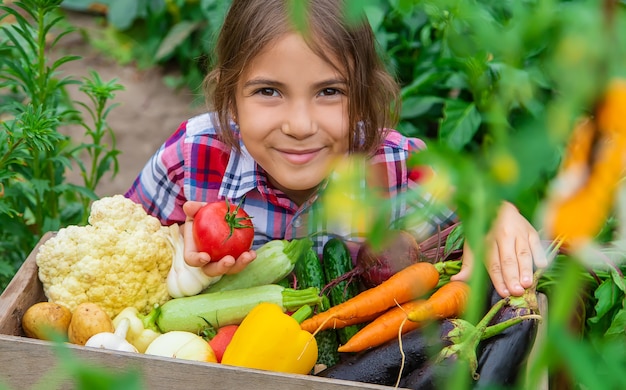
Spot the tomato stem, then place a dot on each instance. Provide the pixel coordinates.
(233, 221)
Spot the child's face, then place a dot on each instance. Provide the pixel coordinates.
(292, 111)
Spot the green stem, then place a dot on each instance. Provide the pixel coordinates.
(302, 313)
(149, 320)
(294, 299)
(498, 328)
(297, 248)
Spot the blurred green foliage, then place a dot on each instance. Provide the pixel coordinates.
(493, 86)
(35, 196)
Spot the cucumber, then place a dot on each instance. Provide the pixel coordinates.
(229, 307)
(336, 262)
(274, 261)
(309, 273)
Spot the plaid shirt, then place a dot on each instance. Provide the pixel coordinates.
(193, 164)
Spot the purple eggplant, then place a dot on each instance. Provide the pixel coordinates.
(433, 374)
(484, 349)
(501, 358)
(430, 376)
(381, 365)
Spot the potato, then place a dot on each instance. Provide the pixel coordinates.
(88, 319)
(46, 321)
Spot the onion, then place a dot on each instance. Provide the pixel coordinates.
(398, 252)
(182, 345)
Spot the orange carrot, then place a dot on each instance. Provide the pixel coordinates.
(448, 301)
(407, 284)
(339, 323)
(383, 328)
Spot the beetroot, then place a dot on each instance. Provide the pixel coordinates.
(398, 252)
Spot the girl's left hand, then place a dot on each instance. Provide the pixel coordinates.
(513, 246)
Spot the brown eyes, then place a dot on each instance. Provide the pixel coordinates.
(330, 92)
(273, 92)
(267, 92)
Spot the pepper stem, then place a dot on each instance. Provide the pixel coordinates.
(149, 320)
(302, 313)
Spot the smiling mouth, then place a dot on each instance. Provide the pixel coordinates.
(299, 157)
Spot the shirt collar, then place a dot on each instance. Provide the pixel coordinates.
(241, 175)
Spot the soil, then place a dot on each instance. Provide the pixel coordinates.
(148, 110)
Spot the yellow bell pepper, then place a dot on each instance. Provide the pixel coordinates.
(142, 329)
(268, 339)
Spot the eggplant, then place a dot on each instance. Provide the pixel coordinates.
(437, 369)
(502, 357)
(494, 361)
(381, 365)
(430, 376)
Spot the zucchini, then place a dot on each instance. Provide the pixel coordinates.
(229, 307)
(274, 261)
(309, 273)
(336, 262)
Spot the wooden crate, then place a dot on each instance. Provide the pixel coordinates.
(26, 362)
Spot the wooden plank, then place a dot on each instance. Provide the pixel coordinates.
(25, 363)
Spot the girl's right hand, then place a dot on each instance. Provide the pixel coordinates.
(225, 265)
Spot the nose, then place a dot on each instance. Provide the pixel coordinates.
(300, 121)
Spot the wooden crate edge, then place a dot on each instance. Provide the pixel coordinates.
(24, 290)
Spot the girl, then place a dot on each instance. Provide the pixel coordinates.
(286, 103)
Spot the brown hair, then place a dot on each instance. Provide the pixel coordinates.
(251, 24)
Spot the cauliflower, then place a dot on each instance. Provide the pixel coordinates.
(120, 259)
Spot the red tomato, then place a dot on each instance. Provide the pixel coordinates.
(222, 339)
(222, 228)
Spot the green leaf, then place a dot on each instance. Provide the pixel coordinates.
(460, 123)
(298, 12)
(607, 296)
(122, 13)
(415, 106)
(375, 16)
(177, 35)
(617, 279)
(455, 239)
(618, 325)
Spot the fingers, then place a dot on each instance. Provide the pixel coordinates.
(191, 254)
(524, 263)
(191, 207)
(495, 270)
(539, 251)
(228, 265)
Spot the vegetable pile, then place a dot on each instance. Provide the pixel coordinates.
(121, 283)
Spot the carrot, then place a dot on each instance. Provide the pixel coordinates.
(448, 301)
(339, 323)
(407, 284)
(383, 328)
